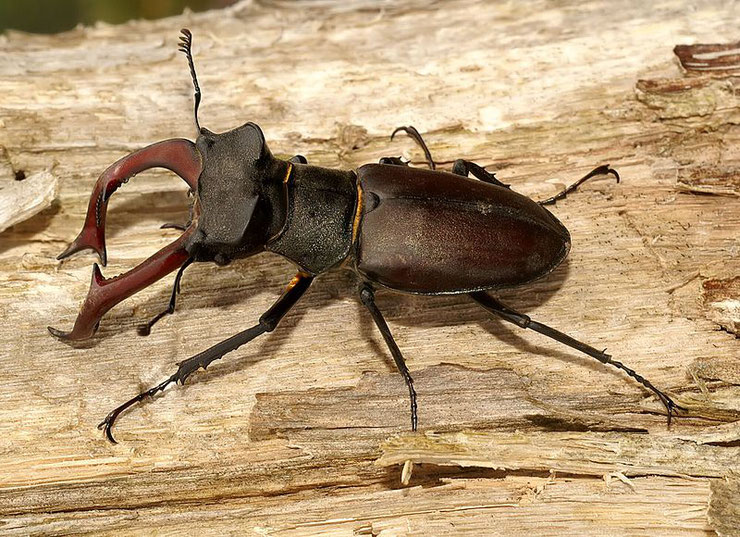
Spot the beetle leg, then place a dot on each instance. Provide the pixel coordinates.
(298, 159)
(146, 329)
(601, 170)
(178, 155)
(106, 293)
(464, 167)
(267, 323)
(393, 161)
(494, 306)
(414, 134)
(368, 299)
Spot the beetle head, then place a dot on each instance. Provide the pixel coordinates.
(240, 203)
(239, 200)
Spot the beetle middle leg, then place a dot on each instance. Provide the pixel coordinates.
(465, 167)
(267, 323)
(494, 306)
(367, 296)
(416, 136)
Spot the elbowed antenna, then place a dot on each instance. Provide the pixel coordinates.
(186, 43)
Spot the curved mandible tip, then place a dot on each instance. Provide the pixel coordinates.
(106, 293)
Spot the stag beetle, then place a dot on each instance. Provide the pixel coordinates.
(404, 229)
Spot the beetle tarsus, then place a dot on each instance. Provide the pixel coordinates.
(267, 323)
(107, 424)
(181, 227)
(604, 169)
(416, 136)
(670, 406)
(146, 329)
(367, 296)
(492, 305)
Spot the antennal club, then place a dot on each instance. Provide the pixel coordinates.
(186, 44)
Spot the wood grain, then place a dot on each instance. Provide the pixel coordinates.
(298, 433)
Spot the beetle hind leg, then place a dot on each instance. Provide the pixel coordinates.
(601, 170)
(497, 308)
(367, 296)
(178, 155)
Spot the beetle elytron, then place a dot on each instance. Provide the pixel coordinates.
(406, 229)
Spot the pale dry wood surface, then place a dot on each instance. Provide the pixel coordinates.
(303, 432)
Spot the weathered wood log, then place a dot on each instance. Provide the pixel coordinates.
(296, 434)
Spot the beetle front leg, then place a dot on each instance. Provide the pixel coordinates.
(146, 329)
(367, 296)
(494, 306)
(179, 155)
(267, 323)
(186, 225)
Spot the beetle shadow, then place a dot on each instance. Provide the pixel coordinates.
(338, 285)
(267, 345)
(452, 310)
(205, 285)
(264, 275)
(167, 207)
(438, 311)
(264, 281)
(28, 230)
(261, 348)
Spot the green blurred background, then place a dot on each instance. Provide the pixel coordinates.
(51, 16)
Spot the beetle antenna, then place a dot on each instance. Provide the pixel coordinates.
(186, 44)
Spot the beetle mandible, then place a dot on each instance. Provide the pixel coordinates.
(404, 229)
